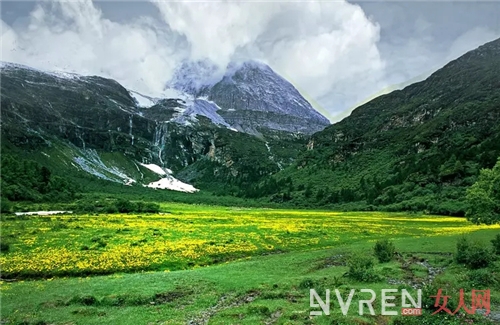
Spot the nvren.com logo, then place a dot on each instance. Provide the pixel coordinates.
(410, 305)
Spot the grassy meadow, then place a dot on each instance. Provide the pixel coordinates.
(193, 264)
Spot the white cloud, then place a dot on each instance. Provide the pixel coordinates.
(331, 51)
(315, 44)
(74, 36)
(215, 30)
(323, 48)
(336, 59)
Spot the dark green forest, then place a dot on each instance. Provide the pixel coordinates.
(27, 180)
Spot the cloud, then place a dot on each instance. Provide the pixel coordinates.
(74, 36)
(330, 52)
(336, 53)
(215, 30)
(323, 48)
(315, 44)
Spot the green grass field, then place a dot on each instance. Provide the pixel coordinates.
(201, 264)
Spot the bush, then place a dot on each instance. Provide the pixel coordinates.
(482, 278)
(125, 206)
(101, 244)
(484, 197)
(496, 244)
(58, 225)
(306, 284)
(384, 250)
(4, 246)
(111, 209)
(462, 248)
(84, 300)
(361, 269)
(5, 205)
(473, 254)
(260, 310)
(149, 207)
(85, 207)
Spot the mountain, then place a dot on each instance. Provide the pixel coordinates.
(251, 97)
(418, 148)
(76, 125)
(248, 132)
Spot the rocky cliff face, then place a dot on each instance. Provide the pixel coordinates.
(87, 118)
(252, 97)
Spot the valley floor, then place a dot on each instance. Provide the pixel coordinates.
(200, 264)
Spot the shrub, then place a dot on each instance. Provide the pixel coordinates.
(479, 256)
(95, 239)
(4, 246)
(384, 250)
(496, 244)
(101, 244)
(85, 206)
(111, 209)
(482, 278)
(84, 300)
(5, 205)
(483, 197)
(306, 284)
(473, 254)
(125, 206)
(151, 207)
(260, 310)
(462, 249)
(361, 269)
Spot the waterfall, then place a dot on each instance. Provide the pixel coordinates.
(130, 129)
(161, 132)
(79, 135)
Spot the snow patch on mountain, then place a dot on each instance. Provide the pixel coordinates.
(202, 107)
(175, 93)
(172, 183)
(155, 169)
(142, 100)
(130, 182)
(92, 164)
(58, 74)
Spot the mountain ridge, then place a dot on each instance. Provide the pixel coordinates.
(89, 118)
(417, 148)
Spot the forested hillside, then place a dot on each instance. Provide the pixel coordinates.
(418, 148)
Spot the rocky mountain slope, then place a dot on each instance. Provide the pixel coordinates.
(414, 149)
(253, 97)
(91, 124)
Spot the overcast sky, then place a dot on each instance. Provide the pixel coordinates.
(338, 53)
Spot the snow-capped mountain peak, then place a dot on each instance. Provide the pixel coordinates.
(248, 96)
